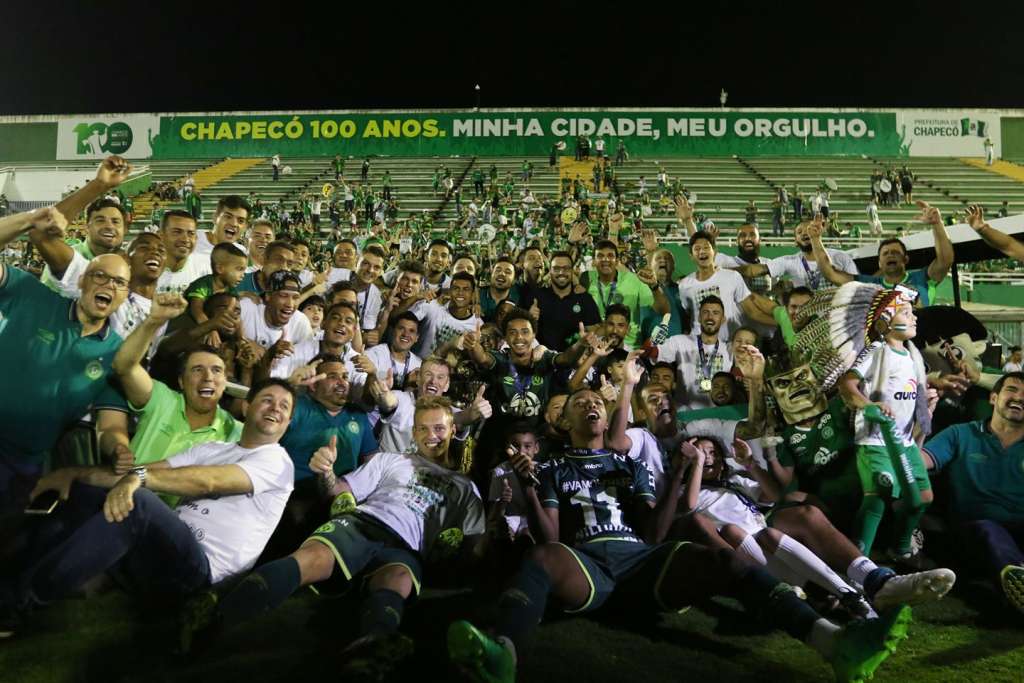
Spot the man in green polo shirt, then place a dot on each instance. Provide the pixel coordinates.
(169, 421)
(57, 356)
(610, 284)
(984, 466)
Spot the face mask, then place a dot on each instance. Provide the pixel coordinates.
(798, 394)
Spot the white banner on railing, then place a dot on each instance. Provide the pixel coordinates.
(948, 133)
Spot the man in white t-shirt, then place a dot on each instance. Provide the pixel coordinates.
(741, 306)
(233, 495)
(229, 223)
(440, 323)
(183, 267)
(700, 355)
(390, 516)
(276, 324)
(801, 268)
(370, 267)
(396, 353)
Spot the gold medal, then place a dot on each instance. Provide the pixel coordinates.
(705, 385)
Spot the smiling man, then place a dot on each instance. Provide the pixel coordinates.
(169, 421)
(893, 260)
(233, 496)
(397, 353)
(739, 304)
(278, 317)
(699, 356)
(229, 223)
(57, 356)
(390, 517)
(439, 323)
(983, 463)
(178, 231)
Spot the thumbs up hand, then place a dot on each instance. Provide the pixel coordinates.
(323, 459)
(480, 408)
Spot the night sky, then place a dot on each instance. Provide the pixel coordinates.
(209, 57)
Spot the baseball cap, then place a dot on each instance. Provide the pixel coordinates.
(284, 280)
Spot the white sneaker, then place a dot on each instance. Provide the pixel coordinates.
(912, 589)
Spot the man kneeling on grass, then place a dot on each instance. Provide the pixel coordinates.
(600, 526)
(389, 515)
(233, 496)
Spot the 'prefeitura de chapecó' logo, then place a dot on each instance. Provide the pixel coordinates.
(99, 138)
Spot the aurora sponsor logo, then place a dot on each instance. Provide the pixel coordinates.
(909, 392)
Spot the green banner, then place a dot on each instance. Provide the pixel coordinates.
(517, 133)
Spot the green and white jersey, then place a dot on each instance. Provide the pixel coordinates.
(520, 392)
(594, 490)
(821, 454)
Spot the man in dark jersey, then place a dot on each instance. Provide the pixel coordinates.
(596, 512)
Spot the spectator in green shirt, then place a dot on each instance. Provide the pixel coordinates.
(57, 355)
(169, 421)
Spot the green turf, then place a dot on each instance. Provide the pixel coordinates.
(111, 639)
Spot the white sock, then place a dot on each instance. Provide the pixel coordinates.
(752, 549)
(859, 569)
(809, 566)
(508, 645)
(823, 637)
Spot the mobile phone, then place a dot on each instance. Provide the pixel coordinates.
(45, 503)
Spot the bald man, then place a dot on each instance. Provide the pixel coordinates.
(57, 355)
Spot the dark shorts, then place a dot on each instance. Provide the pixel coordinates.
(631, 570)
(361, 547)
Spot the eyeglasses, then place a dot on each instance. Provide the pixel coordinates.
(101, 278)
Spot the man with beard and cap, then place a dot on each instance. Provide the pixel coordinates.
(601, 526)
(503, 290)
(277, 318)
(322, 419)
(105, 221)
(560, 309)
(893, 260)
(178, 231)
(748, 252)
(699, 356)
(57, 353)
(234, 494)
(390, 517)
(983, 462)
(229, 223)
(738, 302)
(801, 268)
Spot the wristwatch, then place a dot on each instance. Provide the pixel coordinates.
(139, 472)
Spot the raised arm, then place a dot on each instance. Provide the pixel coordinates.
(112, 171)
(617, 439)
(15, 225)
(938, 269)
(137, 384)
(751, 363)
(684, 214)
(836, 277)
(992, 237)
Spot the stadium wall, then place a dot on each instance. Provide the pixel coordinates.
(513, 132)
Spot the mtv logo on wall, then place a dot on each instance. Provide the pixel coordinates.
(95, 137)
